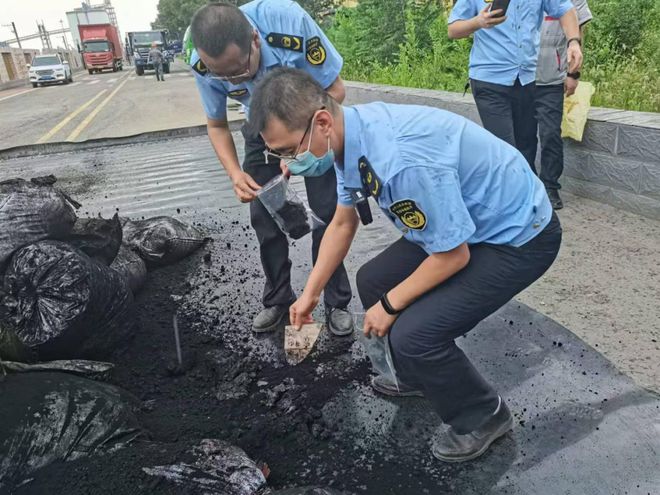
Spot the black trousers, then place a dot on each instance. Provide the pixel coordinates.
(423, 336)
(549, 111)
(508, 112)
(158, 69)
(273, 244)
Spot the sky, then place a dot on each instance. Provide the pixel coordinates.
(132, 15)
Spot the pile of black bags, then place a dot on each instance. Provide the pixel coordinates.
(67, 286)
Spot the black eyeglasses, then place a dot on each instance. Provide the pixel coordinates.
(289, 158)
(246, 73)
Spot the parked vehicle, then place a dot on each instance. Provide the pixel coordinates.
(48, 69)
(101, 48)
(140, 44)
(175, 47)
(188, 46)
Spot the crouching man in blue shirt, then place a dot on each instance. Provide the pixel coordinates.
(477, 228)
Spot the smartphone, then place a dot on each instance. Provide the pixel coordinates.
(499, 5)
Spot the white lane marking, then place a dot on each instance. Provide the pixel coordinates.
(17, 94)
(75, 83)
(112, 81)
(93, 81)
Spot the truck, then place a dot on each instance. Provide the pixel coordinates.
(100, 47)
(140, 43)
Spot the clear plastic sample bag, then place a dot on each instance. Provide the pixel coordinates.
(288, 210)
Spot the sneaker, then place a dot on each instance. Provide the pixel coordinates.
(340, 321)
(555, 200)
(269, 318)
(384, 386)
(449, 446)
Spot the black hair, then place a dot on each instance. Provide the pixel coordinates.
(217, 25)
(290, 95)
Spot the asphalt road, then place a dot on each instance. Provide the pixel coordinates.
(110, 104)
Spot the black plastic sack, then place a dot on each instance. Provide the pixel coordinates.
(131, 267)
(98, 238)
(30, 212)
(310, 490)
(63, 304)
(49, 417)
(162, 240)
(218, 468)
(11, 347)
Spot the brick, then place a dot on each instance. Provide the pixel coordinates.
(613, 171)
(639, 142)
(650, 180)
(600, 136)
(575, 161)
(634, 203)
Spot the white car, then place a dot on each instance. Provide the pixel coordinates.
(46, 69)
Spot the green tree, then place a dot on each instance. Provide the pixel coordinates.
(175, 15)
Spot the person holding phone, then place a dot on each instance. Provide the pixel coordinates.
(503, 61)
(553, 81)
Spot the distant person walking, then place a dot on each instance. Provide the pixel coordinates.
(156, 59)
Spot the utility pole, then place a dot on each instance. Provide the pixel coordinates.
(45, 37)
(13, 28)
(66, 44)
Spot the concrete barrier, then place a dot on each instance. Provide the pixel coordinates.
(618, 161)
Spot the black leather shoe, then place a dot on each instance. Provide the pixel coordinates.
(384, 386)
(449, 446)
(270, 318)
(555, 200)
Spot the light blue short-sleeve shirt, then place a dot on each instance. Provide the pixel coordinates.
(289, 38)
(440, 178)
(509, 50)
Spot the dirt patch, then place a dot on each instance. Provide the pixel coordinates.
(234, 386)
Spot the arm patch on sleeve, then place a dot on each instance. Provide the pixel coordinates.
(316, 54)
(237, 93)
(200, 68)
(409, 213)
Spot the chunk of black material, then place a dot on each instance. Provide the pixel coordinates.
(294, 217)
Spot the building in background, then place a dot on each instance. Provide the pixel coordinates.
(14, 64)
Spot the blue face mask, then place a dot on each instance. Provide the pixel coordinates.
(309, 165)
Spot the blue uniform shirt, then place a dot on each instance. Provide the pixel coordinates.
(510, 50)
(441, 178)
(280, 23)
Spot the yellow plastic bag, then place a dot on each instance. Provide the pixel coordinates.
(576, 110)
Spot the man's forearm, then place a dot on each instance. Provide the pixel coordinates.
(429, 274)
(463, 29)
(223, 144)
(569, 23)
(334, 247)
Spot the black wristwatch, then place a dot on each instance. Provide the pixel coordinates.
(579, 40)
(387, 306)
(574, 75)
